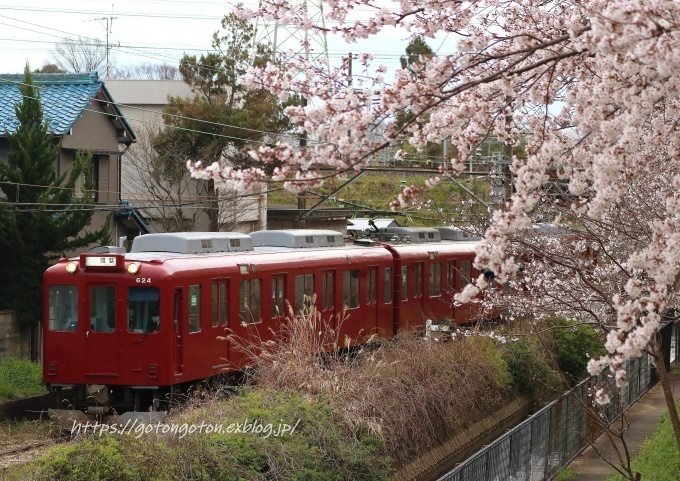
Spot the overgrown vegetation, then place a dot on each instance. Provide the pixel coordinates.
(659, 459)
(20, 378)
(362, 411)
(319, 448)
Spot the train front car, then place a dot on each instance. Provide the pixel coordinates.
(109, 327)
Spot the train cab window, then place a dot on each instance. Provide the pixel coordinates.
(250, 301)
(418, 280)
(388, 285)
(195, 308)
(144, 309)
(328, 291)
(372, 285)
(103, 309)
(63, 308)
(435, 279)
(404, 283)
(278, 296)
(220, 303)
(350, 289)
(465, 273)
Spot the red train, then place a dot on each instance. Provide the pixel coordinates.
(124, 329)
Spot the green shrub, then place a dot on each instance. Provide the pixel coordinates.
(530, 372)
(572, 344)
(20, 378)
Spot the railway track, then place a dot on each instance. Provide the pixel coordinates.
(15, 453)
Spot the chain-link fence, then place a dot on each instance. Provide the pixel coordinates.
(538, 448)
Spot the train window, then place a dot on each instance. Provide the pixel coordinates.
(404, 283)
(103, 309)
(278, 296)
(350, 289)
(451, 275)
(144, 309)
(372, 285)
(465, 273)
(388, 285)
(63, 308)
(418, 280)
(195, 308)
(219, 303)
(304, 291)
(328, 291)
(435, 279)
(250, 301)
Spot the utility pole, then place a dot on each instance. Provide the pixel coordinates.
(108, 26)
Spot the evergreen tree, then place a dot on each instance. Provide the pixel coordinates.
(41, 218)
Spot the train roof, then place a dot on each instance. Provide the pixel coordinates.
(192, 242)
(298, 238)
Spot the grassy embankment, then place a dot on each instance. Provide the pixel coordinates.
(20, 378)
(435, 205)
(659, 459)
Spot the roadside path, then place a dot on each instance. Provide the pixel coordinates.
(642, 418)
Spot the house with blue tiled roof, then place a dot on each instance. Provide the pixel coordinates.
(83, 116)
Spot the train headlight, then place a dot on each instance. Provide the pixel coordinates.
(134, 267)
(71, 267)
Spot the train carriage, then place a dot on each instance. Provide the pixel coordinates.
(128, 328)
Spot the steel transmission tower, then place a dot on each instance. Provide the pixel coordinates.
(313, 47)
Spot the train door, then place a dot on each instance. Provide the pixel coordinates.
(101, 345)
(328, 299)
(178, 326)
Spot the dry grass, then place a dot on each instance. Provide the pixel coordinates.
(411, 392)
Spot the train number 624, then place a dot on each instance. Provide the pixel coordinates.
(143, 280)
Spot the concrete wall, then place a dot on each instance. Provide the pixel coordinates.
(14, 342)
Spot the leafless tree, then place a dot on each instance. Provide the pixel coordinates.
(162, 189)
(80, 55)
(147, 71)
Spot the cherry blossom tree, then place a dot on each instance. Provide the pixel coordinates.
(595, 82)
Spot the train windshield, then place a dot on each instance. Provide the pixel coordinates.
(144, 309)
(63, 308)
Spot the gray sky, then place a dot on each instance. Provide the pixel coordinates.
(149, 31)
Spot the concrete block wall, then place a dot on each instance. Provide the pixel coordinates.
(14, 341)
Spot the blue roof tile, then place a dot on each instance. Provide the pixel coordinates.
(64, 97)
